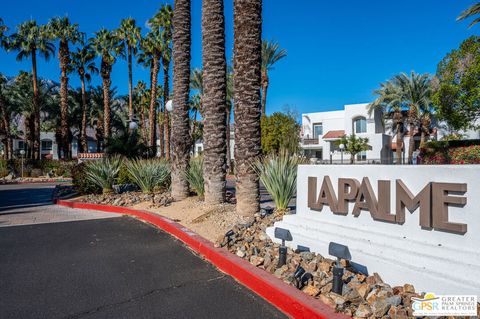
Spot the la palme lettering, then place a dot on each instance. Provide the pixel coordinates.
(433, 201)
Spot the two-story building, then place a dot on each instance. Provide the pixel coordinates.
(321, 132)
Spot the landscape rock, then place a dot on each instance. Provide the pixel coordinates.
(363, 311)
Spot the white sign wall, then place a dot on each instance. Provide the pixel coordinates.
(432, 259)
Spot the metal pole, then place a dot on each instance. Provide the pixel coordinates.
(22, 165)
(341, 152)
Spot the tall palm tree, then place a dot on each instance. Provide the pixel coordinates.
(3, 38)
(271, 53)
(142, 102)
(473, 10)
(5, 117)
(181, 91)
(163, 20)
(105, 44)
(196, 83)
(61, 29)
(215, 99)
(29, 40)
(129, 35)
(247, 76)
(83, 63)
(151, 45)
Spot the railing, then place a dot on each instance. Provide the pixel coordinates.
(310, 141)
(347, 161)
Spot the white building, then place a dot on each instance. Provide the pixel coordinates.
(321, 132)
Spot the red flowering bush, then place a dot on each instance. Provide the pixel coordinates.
(465, 155)
(454, 155)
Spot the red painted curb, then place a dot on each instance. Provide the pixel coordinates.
(290, 300)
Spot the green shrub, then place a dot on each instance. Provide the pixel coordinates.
(80, 181)
(124, 176)
(149, 174)
(104, 172)
(3, 168)
(194, 176)
(278, 173)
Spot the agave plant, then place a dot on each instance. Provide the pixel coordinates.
(104, 172)
(149, 174)
(278, 173)
(194, 176)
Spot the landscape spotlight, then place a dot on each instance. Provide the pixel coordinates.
(266, 211)
(301, 277)
(341, 252)
(284, 235)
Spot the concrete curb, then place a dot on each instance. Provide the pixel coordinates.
(288, 299)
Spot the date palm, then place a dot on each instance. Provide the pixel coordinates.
(106, 45)
(129, 35)
(215, 99)
(29, 40)
(150, 45)
(65, 32)
(389, 103)
(416, 93)
(142, 101)
(163, 21)
(83, 63)
(271, 54)
(247, 72)
(472, 11)
(181, 90)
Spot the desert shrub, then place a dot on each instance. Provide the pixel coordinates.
(465, 155)
(194, 176)
(278, 173)
(104, 172)
(80, 181)
(124, 176)
(3, 168)
(443, 153)
(149, 174)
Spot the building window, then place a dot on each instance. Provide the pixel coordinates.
(360, 125)
(21, 145)
(317, 130)
(46, 145)
(362, 156)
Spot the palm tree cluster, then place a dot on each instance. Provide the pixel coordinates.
(406, 101)
(78, 54)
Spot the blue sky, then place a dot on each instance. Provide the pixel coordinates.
(338, 51)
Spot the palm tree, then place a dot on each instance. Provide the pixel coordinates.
(416, 93)
(196, 83)
(150, 45)
(390, 104)
(5, 112)
(271, 53)
(65, 32)
(181, 91)
(215, 99)
(142, 101)
(106, 45)
(247, 72)
(83, 63)
(129, 35)
(163, 21)
(29, 40)
(473, 10)
(3, 38)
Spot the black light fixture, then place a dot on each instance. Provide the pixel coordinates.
(341, 252)
(301, 277)
(266, 211)
(284, 235)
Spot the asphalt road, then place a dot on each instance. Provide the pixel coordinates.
(112, 268)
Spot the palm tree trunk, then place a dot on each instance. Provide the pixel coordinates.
(36, 109)
(399, 145)
(83, 131)
(106, 69)
(229, 157)
(247, 68)
(264, 92)
(181, 89)
(411, 143)
(6, 125)
(215, 94)
(63, 56)
(166, 121)
(130, 85)
(152, 120)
